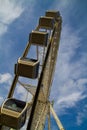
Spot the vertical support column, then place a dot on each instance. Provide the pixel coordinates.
(56, 118)
(49, 123)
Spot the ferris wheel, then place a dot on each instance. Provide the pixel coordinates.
(37, 64)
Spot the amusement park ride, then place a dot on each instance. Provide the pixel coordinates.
(40, 69)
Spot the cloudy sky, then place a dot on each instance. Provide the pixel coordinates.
(69, 91)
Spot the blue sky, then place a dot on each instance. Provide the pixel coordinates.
(69, 90)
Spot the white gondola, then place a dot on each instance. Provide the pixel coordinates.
(46, 22)
(27, 68)
(38, 38)
(13, 113)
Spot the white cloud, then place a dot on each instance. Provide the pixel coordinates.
(3, 28)
(9, 11)
(70, 100)
(5, 82)
(1, 99)
(81, 116)
(63, 4)
(5, 78)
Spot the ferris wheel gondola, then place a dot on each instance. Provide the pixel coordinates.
(13, 113)
(26, 67)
